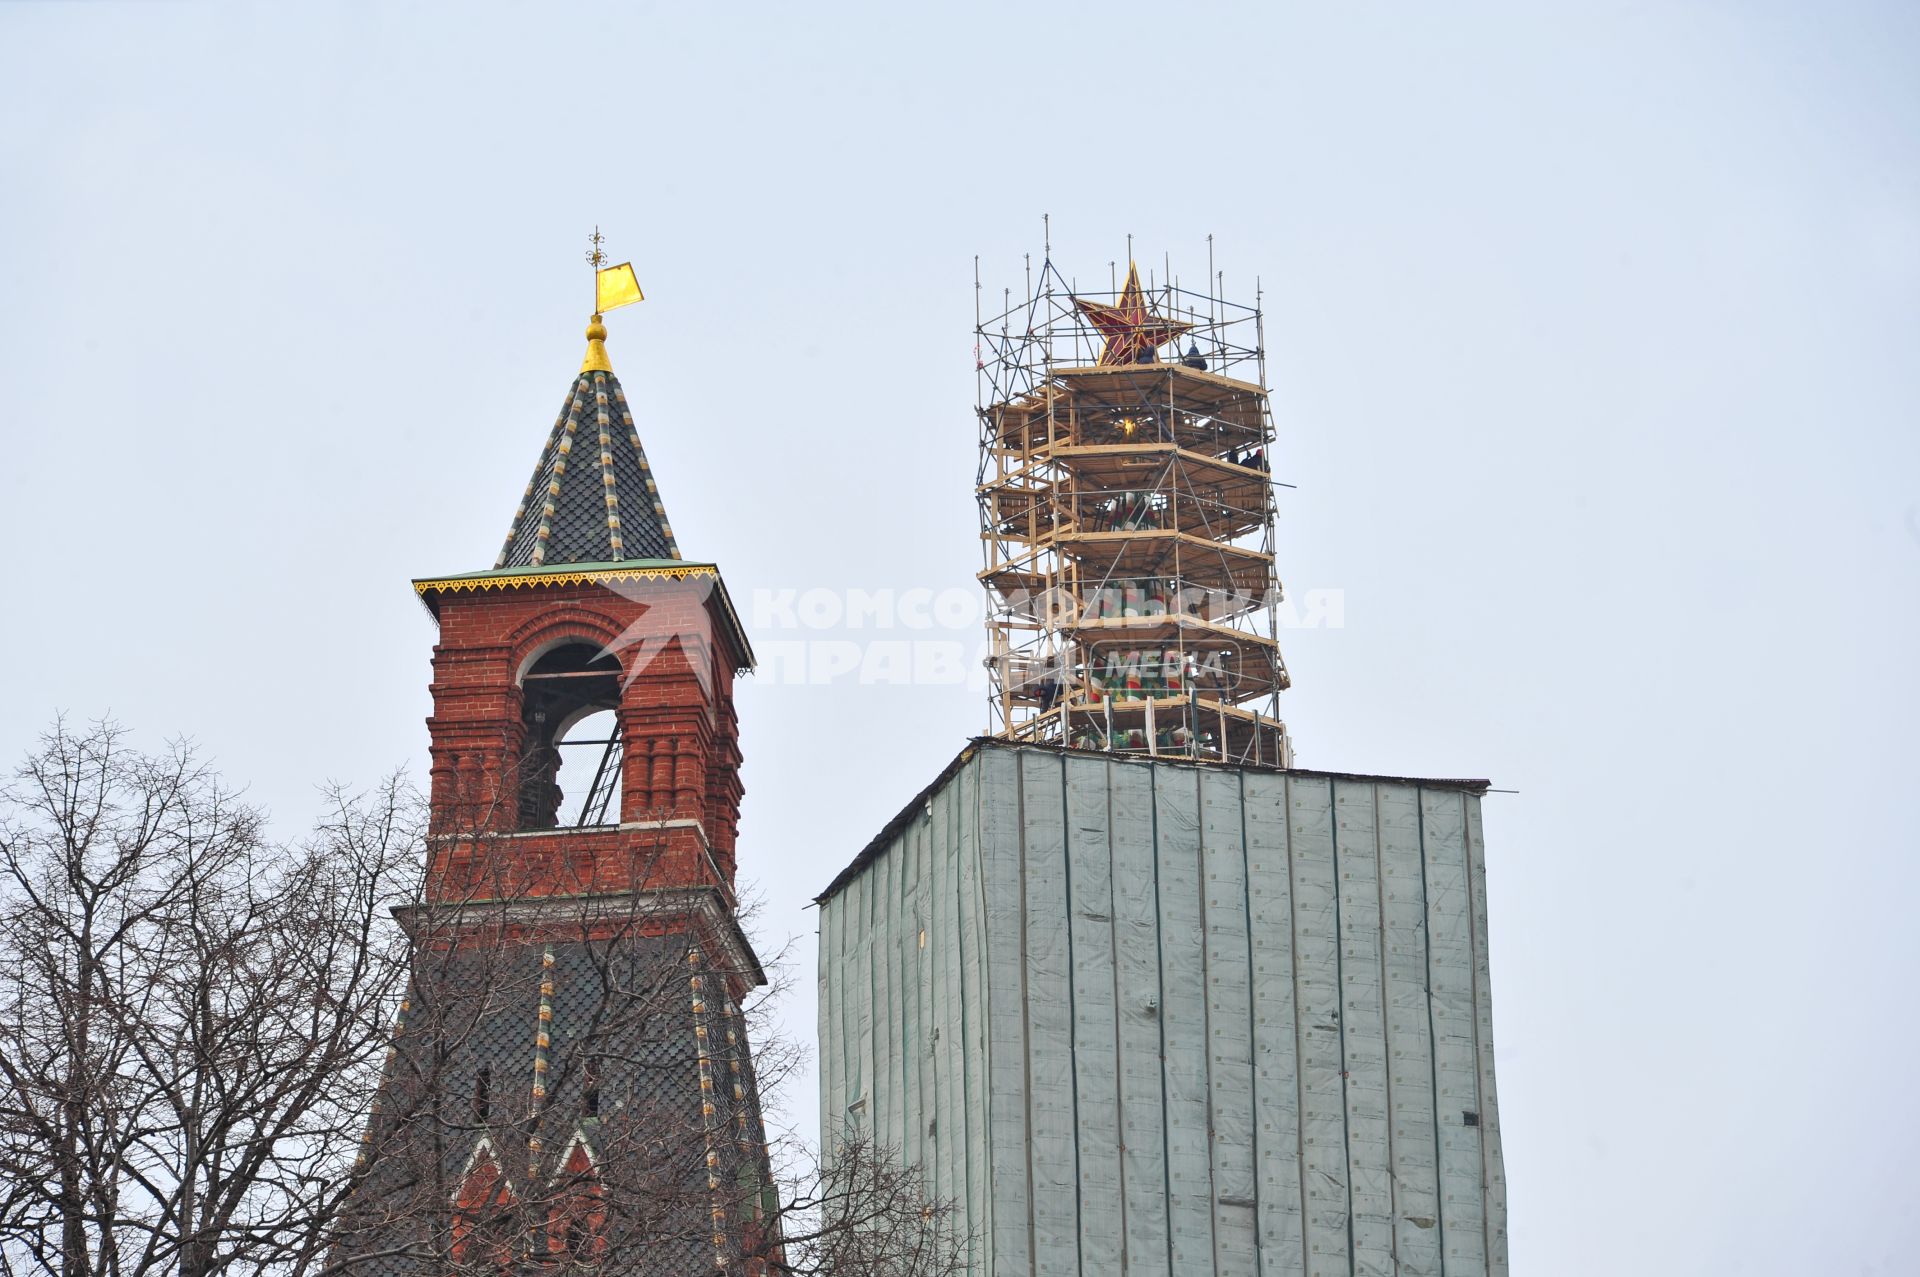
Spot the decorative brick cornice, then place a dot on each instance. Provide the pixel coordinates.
(505, 580)
(705, 905)
(511, 580)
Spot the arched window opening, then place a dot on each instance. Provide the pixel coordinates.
(590, 1089)
(572, 739)
(591, 742)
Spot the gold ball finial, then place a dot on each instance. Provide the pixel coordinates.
(596, 360)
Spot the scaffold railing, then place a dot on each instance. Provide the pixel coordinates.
(1127, 520)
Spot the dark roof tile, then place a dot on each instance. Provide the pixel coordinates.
(592, 498)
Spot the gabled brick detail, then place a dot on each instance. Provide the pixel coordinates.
(483, 1235)
(577, 1218)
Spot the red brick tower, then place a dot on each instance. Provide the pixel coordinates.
(589, 609)
(573, 1080)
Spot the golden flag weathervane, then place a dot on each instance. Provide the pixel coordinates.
(613, 287)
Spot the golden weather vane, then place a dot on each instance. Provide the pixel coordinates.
(613, 286)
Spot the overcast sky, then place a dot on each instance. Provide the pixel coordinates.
(1592, 333)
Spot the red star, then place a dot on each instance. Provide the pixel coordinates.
(1132, 331)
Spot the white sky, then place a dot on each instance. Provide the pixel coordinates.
(1592, 334)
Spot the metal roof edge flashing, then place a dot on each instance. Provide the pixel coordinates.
(869, 853)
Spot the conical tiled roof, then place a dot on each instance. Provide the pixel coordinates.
(592, 497)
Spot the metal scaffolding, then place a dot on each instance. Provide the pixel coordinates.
(1127, 519)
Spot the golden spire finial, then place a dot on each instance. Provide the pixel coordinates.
(613, 287)
(596, 360)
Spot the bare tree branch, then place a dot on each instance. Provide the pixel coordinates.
(195, 1023)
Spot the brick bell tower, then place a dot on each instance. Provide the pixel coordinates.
(571, 1080)
(589, 612)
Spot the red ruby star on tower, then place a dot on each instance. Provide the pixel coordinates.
(1132, 331)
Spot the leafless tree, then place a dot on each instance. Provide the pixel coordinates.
(188, 1011)
(859, 1211)
(195, 1022)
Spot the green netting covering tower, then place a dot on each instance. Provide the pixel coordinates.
(1151, 1015)
(1134, 992)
